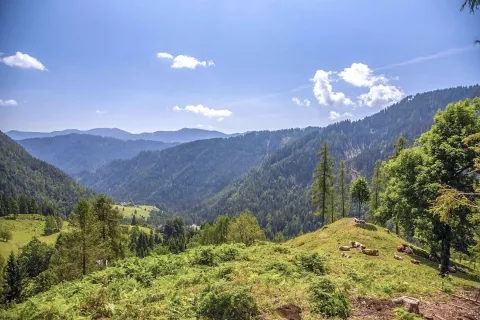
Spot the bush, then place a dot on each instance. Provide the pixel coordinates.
(280, 249)
(205, 257)
(327, 300)
(280, 267)
(403, 314)
(311, 263)
(5, 234)
(224, 302)
(228, 253)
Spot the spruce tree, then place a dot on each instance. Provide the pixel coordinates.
(343, 189)
(378, 186)
(14, 281)
(360, 193)
(323, 183)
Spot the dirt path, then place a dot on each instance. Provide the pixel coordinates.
(439, 307)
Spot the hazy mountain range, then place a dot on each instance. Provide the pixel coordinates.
(182, 135)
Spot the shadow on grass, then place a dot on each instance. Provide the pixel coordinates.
(471, 275)
(366, 226)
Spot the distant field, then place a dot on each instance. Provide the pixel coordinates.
(142, 211)
(23, 230)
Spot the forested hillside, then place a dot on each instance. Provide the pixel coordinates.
(185, 175)
(23, 175)
(74, 153)
(278, 191)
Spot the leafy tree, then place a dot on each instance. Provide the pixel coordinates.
(245, 229)
(51, 226)
(5, 234)
(221, 229)
(323, 182)
(175, 238)
(342, 189)
(360, 192)
(35, 257)
(14, 281)
(400, 144)
(279, 237)
(49, 208)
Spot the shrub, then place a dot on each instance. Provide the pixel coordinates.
(228, 253)
(311, 263)
(223, 301)
(205, 257)
(280, 267)
(280, 249)
(327, 300)
(403, 314)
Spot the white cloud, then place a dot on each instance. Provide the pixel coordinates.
(322, 90)
(164, 55)
(24, 61)
(360, 75)
(381, 96)
(100, 112)
(220, 119)
(8, 102)
(305, 102)
(335, 115)
(182, 61)
(204, 111)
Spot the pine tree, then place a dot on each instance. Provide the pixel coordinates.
(111, 233)
(323, 181)
(14, 281)
(343, 190)
(134, 220)
(86, 225)
(378, 186)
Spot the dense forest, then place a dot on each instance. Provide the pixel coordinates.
(74, 153)
(23, 175)
(185, 175)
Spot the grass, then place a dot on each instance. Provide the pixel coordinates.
(142, 211)
(171, 286)
(24, 228)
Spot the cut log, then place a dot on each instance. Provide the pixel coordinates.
(344, 248)
(410, 303)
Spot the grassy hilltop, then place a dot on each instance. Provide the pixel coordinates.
(259, 278)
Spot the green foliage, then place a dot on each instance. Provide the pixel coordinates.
(51, 226)
(378, 187)
(228, 253)
(360, 192)
(5, 234)
(327, 300)
(175, 238)
(224, 302)
(403, 314)
(312, 263)
(205, 257)
(245, 229)
(35, 257)
(279, 237)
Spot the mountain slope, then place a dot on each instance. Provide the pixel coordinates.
(278, 191)
(74, 153)
(274, 275)
(185, 175)
(22, 174)
(182, 135)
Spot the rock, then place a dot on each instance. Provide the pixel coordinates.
(410, 303)
(370, 252)
(344, 248)
(415, 261)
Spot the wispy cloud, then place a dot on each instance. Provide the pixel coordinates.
(438, 55)
(8, 102)
(100, 112)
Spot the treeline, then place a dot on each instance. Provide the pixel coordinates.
(14, 205)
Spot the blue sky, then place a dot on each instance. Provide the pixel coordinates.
(232, 66)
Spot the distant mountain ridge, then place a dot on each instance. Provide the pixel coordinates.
(74, 153)
(181, 136)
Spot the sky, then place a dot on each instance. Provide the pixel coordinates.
(231, 66)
